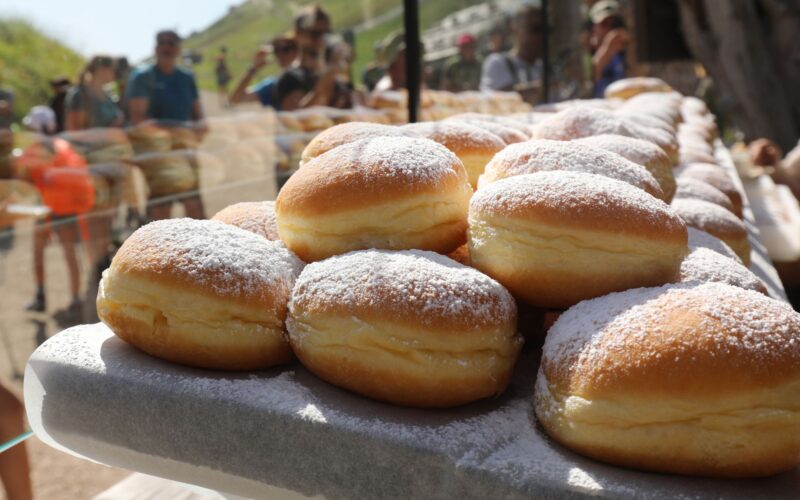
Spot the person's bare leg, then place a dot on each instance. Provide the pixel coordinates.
(68, 234)
(14, 467)
(41, 233)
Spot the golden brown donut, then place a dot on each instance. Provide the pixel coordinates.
(702, 239)
(556, 238)
(346, 133)
(412, 328)
(502, 120)
(473, 146)
(577, 122)
(629, 87)
(715, 176)
(703, 265)
(716, 221)
(201, 293)
(543, 155)
(641, 152)
(385, 192)
(700, 380)
(255, 216)
(694, 189)
(504, 132)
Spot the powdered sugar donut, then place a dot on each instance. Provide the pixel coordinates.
(556, 238)
(629, 87)
(715, 176)
(411, 327)
(701, 380)
(509, 135)
(255, 216)
(201, 293)
(703, 265)
(346, 133)
(694, 189)
(473, 145)
(641, 152)
(574, 123)
(702, 239)
(717, 221)
(543, 155)
(385, 192)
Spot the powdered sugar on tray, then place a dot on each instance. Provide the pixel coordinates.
(545, 155)
(211, 254)
(414, 283)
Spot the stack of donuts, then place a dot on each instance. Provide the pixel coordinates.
(407, 264)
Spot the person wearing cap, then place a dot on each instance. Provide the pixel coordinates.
(284, 48)
(611, 39)
(316, 78)
(60, 87)
(464, 71)
(163, 90)
(394, 53)
(520, 68)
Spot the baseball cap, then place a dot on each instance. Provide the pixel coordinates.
(465, 39)
(603, 9)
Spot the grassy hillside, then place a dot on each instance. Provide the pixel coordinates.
(254, 22)
(29, 60)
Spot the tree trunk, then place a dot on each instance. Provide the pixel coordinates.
(750, 49)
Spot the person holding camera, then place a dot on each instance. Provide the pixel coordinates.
(611, 39)
(316, 78)
(284, 51)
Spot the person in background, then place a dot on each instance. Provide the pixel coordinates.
(284, 48)
(611, 40)
(497, 38)
(223, 75)
(6, 105)
(166, 92)
(464, 71)
(520, 68)
(60, 87)
(163, 90)
(394, 53)
(314, 79)
(15, 470)
(88, 104)
(375, 69)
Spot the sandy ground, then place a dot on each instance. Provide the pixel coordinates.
(57, 475)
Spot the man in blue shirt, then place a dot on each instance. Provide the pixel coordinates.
(167, 93)
(163, 91)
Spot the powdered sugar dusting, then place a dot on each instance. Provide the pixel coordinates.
(576, 194)
(755, 327)
(408, 158)
(350, 132)
(695, 189)
(457, 136)
(415, 284)
(636, 150)
(703, 265)
(708, 216)
(255, 216)
(701, 239)
(543, 155)
(212, 255)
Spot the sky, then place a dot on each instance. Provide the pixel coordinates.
(112, 26)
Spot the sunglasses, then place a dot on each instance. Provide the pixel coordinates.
(318, 33)
(285, 49)
(168, 43)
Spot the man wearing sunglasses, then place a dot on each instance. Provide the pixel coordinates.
(313, 80)
(284, 49)
(520, 68)
(164, 90)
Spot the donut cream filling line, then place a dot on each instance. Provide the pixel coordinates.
(776, 407)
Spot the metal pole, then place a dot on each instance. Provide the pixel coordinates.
(413, 57)
(545, 50)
